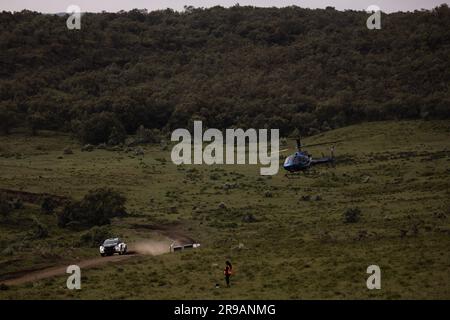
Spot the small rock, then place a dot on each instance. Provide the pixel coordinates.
(87, 148)
(249, 218)
(129, 142)
(173, 209)
(222, 205)
(268, 194)
(67, 151)
(306, 198)
(228, 186)
(139, 151)
(116, 148)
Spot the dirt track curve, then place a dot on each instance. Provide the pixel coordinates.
(31, 276)
(143, 247)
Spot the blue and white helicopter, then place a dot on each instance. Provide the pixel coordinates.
(302, 160)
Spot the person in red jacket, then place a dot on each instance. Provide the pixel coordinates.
(227, 272)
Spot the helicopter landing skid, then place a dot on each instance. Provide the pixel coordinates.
(293, 175)
(306, 173)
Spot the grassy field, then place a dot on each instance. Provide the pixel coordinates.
(299, 247)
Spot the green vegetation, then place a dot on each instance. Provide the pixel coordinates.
(299, 70)
(352, 215)
(100, 128)
(95, 236)
(5, 205)
(95, 209)
(286, 238)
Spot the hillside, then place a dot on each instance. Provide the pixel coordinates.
(298, 247)
(289, 68)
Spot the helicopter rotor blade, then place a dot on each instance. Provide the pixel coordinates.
(322, 143)
(278, 152)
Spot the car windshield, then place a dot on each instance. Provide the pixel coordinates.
(110, 242)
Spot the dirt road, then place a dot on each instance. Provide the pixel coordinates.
(31, 276)
(142, 247)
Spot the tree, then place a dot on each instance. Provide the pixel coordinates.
(101, 128)
(8, 116)
(5, 205)
(36, 121)
(242, 66)
(95, 209)
(48, 205)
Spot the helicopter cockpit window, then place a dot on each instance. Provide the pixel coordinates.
(288, 160)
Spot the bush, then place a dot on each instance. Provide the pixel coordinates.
(8, 251)
(8, 116)
(17, 203)
(352, 215)
(48, 205)
(101, 128)
(95, 236)
(39, 230)
(95, 209)
(5, 205)
(144, 135)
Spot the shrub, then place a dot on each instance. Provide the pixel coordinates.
(95, 236)
(17, 203)
(144, 135)
(8, 116)
(48, 205)
(5, 205)
(100, 128)
(95, 209)
(352, 215)
(8, 251)
(38, 230)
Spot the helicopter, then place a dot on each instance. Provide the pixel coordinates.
(301, 160)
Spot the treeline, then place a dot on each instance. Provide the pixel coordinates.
(294, 69)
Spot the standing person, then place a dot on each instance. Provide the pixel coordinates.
(227, 272)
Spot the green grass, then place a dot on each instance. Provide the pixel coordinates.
(397, 173)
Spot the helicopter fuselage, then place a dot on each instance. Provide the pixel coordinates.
(298, 161)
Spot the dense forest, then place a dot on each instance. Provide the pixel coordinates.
(291, 68)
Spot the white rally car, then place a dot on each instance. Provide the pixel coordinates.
(111, 246)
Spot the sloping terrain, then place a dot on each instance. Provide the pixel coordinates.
(287, 238)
